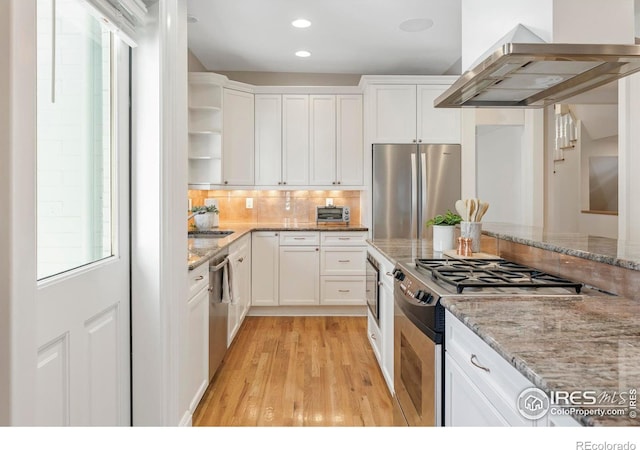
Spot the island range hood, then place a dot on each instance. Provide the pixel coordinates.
(526, 72)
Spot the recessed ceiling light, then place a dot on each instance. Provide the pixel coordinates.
(303, 53)
(301, 23)
(414, 25)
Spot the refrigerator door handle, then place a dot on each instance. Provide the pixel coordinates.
(423, 193)
(414, 196)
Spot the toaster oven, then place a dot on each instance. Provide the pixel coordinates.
(333, 214)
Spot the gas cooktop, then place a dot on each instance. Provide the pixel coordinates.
(491, 273)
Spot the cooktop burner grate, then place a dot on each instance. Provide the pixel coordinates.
(491, 273)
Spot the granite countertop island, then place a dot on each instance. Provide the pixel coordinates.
(576, 342)
(201, 249)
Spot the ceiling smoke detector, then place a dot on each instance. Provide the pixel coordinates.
(415, 25)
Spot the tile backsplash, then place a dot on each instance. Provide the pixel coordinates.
(276, 206)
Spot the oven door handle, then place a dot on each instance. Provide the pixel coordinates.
(474, 358)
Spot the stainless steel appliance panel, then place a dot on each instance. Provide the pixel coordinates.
(440, 182)
(372, 282)
(417, 368)
(394, 190)
(218, 314)
(411, 184)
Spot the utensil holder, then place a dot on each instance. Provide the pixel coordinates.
(472, 230)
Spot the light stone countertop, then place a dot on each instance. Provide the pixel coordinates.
(201, 250)
(570, 343)
(594, 248)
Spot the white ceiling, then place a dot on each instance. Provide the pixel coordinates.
(346, 36)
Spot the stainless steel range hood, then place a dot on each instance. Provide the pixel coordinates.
(537, 74)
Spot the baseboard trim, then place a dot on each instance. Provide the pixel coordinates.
(308, 311)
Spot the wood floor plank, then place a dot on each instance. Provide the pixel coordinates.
(298, 371)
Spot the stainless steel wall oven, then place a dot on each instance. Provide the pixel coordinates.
(373, 287)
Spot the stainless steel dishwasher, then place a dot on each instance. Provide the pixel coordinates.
(218, 313)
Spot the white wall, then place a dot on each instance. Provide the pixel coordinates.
(159, 225)
(485, 22)
(5, 229)
(499, 168)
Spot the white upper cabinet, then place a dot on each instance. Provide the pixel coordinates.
(295, 140)
(268, 139)
(336, 140)
(436, 125)
(405, 114)
(314, 140)
(237, 138)
(349, 140)
(394, 113)
(205, 129)
(322, 139)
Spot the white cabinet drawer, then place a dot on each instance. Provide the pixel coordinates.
(198, 279)
(299, 238)
(346, 238)
(343, 260)
(342, 291)
(499, 381)
(375, 337)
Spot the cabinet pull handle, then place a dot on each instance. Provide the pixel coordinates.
(344, 290)
(344, 239)
(276, 234)
(201, 277)
(389, 274)
(299, 238)
(373, 336)
(344, 260)
(380, 283)
(241, 259)
(474, 358)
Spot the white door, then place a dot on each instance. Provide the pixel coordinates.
(322, 140)
(349, 148)
(394, 115)
(82, 309)
(237, 138)
(299, 275)
(436, 125)
(295, 140)
(268, 136)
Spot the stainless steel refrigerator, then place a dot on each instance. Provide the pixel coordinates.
(411, 184)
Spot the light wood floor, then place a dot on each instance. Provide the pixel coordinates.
(298, 371)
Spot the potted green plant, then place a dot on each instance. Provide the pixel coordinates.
(443, 230)
(205, 217)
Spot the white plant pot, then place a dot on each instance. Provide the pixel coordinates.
(206, 221)
(443, 237)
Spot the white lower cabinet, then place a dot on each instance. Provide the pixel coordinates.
(240, 260)
(197, 335)
(342, 290)
(381, 332)
(265, 267)
(481, 387)
(299, 269)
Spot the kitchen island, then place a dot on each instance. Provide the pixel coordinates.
(569, 343)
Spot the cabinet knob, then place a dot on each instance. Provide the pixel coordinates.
(419, 140)
(339, 182)
(414, 140)
(333, 182)
(279, 182)
(276, 234)
(284, 182)
(240, 259)
(226, 182)
(317, 249)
